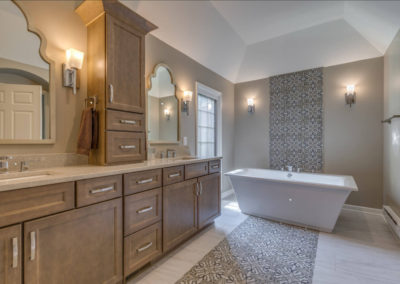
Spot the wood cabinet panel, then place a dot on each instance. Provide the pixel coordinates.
(125, 66)
(125, 147)
(209, 199)
(142, 209)
(29, 203)
(196, 170)
(142, 247)
(179, 212)
(214, 166)
(95, 190)
(79, 246)
(141, 181)
(173, 175)
(10, 255)
(125, 121)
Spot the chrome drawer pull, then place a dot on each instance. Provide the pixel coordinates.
(15, 252)
(145, 247)
(127, 146)
(147, 209)
(215, 167)
(105, 189)
(145, 181)
(111, 93)
(33, 246)
(201, 188)
(174, 175)
(125, 121)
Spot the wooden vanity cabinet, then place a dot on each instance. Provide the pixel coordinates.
(77, 246)
(116, 75)
(208, 199)
(10, 255)
(179, 212)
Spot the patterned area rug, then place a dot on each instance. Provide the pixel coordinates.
(259, 251)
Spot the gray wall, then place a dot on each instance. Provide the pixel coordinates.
(352, 136)
(391, 135)
(186, 72)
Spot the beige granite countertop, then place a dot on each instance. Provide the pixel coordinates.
(73, 173)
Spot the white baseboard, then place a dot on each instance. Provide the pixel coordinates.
(392, 219)
(227, 193)
(368, 210)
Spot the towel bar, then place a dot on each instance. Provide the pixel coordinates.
(389, 120)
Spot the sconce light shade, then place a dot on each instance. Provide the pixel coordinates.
(167, 113)
(74, 61)
(251, 108)
(187, 97)
(350, 95)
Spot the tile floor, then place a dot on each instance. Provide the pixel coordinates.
(362, 249)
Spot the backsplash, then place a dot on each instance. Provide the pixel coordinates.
(41, 161)
(296, 124)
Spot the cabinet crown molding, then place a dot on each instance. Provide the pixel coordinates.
(89, 11)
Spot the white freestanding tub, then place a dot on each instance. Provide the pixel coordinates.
(304, 199)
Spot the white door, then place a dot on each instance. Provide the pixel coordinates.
(20, 112)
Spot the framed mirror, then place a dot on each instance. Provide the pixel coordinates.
(27, 96)
(162, 107)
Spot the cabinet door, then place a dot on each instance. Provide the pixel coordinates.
(10, 255)
(209, 199)
(78, 246)
(125, 67)
(179, 212)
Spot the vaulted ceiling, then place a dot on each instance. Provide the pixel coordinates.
(249, 40)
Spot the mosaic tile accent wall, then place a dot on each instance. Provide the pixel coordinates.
(296, 126)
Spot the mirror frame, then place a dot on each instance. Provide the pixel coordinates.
(52, 84)
(151, 76)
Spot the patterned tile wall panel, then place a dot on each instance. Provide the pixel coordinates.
(296, 126)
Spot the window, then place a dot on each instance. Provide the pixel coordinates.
(206, 128)
(208, 121)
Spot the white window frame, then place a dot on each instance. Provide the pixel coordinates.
(217, 96)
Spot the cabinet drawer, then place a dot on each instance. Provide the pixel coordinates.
(142, 247)
(142, 209)
(173, 175)
(141, 181)
(96, 190)
(125, 147)
(196, 170)
(29, 203)
(214, 166)
(124, 121)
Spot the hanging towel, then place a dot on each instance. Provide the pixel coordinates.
(95, 129)
(85, 132)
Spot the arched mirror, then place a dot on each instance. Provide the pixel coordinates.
(162, 107)
(26, 102)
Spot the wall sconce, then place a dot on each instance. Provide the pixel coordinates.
(251, 108)
(167, 113)
(350, 95)
(74, 61)
(187, 97)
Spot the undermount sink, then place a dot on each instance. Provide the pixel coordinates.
(23, 176)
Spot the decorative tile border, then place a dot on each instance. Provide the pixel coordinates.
(296, 126)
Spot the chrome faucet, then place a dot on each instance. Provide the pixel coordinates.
(289, 168)
(23, 166)
(171, 153)
(4, 164)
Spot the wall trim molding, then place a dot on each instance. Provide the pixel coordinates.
(393, 220)
(369, 210)
(226, 193)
